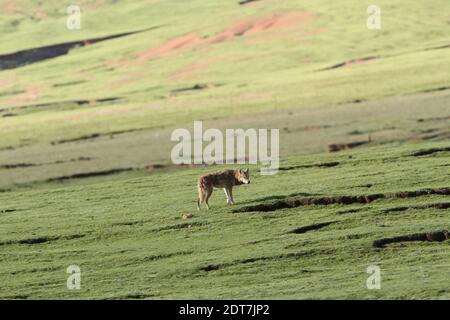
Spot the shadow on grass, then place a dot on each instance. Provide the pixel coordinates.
(277, 197)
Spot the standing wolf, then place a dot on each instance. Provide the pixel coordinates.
(226, 179)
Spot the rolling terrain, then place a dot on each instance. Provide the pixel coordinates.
(85, 172)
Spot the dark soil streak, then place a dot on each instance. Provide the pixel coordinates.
(7, 210)
(351, 210)
(429, 151)
(346, 146)
(24, 57)
(317, 165)
(90, 174)
(311, 227)
(436, 89)
(165, 256)
(61, 103)
(433, 119)
(363, 199)
(17, 165)
(27, 165)
(445, 46)
(93, 136)
(186, 225)
(199, 86)
(213, 267)
(43, 239)
(441, 205)
(429, 236)
(349, 62)
(244, 2)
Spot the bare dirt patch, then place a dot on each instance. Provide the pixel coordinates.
(165, 256)
(132, 296)
(428, 236)
(155, 167)
(9, 7)
(440, 205)
(243, 27)
(17, 165)
(11, 166)
(90, 174)
(346, 146)
(351, 210)
(9, 114)
(314, 165)
(93, 136)
(362, 199)
(186, 41)
(43, 239)
(180, 226)
(427, 152)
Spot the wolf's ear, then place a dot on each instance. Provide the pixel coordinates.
(246, 171)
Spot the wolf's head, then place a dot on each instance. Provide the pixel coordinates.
(243, 176)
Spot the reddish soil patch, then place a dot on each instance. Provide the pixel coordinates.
(244, 27)
(258, 25)
(185, 73)
(31, 93)
(185, 41)
(41, 15)
(9, 6)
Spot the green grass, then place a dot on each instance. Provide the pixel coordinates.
(133, 242)
(125, 230)
(278, 73)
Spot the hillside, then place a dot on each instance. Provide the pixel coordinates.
(130, 241)
(86, 176)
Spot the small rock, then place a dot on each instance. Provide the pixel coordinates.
(187, 216)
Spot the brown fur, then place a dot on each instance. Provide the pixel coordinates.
(226, 179)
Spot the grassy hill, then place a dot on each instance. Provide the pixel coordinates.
(130, 241)
(85, 172)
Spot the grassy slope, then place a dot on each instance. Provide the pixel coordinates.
(281, 72)
(130, 244)
(135, 244)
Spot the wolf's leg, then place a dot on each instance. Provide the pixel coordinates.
(230, 192)
(227, 195)
(201, 197)
(198, 204)
(209, 192)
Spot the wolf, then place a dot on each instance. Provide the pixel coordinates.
(226, 179)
